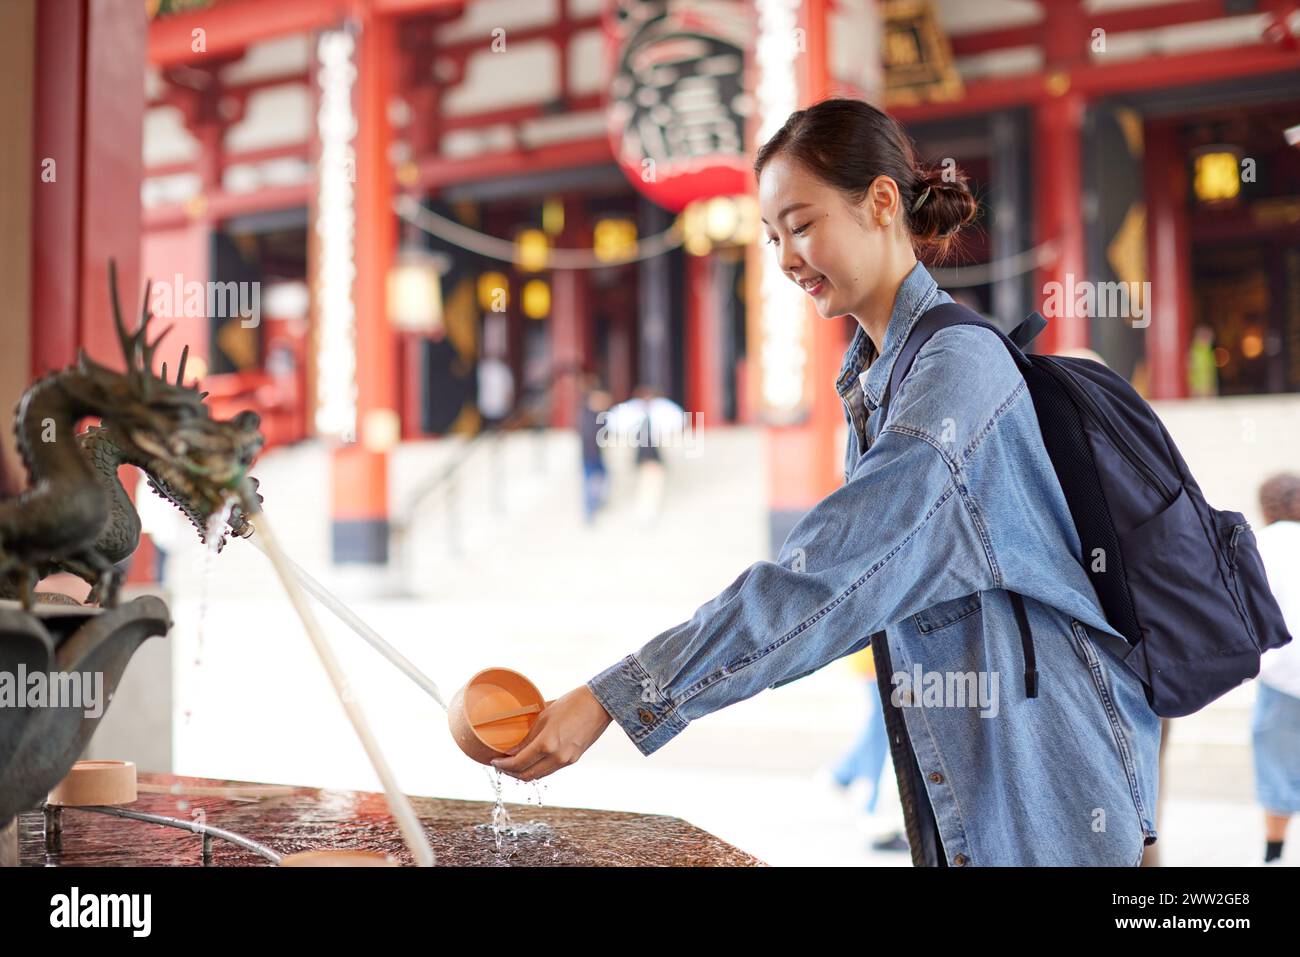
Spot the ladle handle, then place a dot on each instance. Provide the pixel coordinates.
(531, 709)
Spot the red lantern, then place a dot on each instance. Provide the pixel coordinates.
(677, 107)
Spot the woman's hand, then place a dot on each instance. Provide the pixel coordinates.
(561, 734)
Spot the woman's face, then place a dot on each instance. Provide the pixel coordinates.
(824, 243)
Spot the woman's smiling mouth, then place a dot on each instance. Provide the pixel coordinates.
(813, 285)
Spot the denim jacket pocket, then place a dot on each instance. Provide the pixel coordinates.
(1088, 653)
(947, 613)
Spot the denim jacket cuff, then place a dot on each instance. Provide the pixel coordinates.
(632, 698)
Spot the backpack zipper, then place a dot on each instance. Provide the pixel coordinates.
(1118, 440)
(1237, 529)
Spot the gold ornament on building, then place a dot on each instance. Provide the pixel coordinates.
(917, 56)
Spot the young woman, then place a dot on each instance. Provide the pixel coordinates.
(948, 509)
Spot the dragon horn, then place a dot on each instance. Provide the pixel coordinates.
(145, 315)
(149, 347)
(141, 336)
(180, 372)
(125, 338)
(163, 375)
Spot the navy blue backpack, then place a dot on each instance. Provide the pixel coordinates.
(1183, 582)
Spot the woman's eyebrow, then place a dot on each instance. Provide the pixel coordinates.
(789, 209)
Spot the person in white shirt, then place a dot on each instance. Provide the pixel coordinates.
(1275, 726)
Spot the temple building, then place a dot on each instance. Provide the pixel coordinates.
(383, 221)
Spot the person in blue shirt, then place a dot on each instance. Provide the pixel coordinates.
(947, 510)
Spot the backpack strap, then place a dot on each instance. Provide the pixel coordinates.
(1028, 330)
(954, 314)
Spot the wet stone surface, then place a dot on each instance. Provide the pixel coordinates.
(320, 819)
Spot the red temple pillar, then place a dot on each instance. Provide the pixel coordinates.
(704, 340)
(88, 161)
(1058, 186)
(359, 500)
(89, 128)
(1058, 175)
(804, 463)
(570, 321)
(1168, 267)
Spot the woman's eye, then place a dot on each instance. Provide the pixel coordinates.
(771, 240)
(799, 230)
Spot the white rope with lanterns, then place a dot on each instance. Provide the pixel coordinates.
(505, 250)
(982, 274)
(721, 220)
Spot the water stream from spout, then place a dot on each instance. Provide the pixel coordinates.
(214, 536)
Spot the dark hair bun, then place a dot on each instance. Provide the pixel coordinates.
(945, 209)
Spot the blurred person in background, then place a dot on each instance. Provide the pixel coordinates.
(647, 421)
(865, 760)
(593, 402)
(1275, 725)
(496, 390)
(650, 470)
(1202, 372)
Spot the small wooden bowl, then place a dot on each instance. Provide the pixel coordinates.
(93, 783)
(338, 859)
(493, 712)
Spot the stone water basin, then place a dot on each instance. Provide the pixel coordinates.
(302, 819)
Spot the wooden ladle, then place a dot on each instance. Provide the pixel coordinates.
(493, 712)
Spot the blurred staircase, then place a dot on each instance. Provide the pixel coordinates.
(511, 526)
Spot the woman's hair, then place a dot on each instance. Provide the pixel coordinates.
(1279, 498)
(848, 143)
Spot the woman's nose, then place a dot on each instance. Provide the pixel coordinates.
(790, 261)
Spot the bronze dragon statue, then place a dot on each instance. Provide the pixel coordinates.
(75, 516)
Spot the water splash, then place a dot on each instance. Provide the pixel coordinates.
(504, 829)
(500, 816)
(214, 537)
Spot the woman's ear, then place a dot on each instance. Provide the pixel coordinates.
(880, 205)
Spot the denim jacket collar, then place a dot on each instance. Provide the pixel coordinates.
(914, 296)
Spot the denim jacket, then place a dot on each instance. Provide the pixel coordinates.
(945, 510)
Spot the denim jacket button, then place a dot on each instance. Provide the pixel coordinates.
(936, 777)
(959, 860)
(647, 716)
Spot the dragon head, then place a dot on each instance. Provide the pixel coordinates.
(166, 430)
